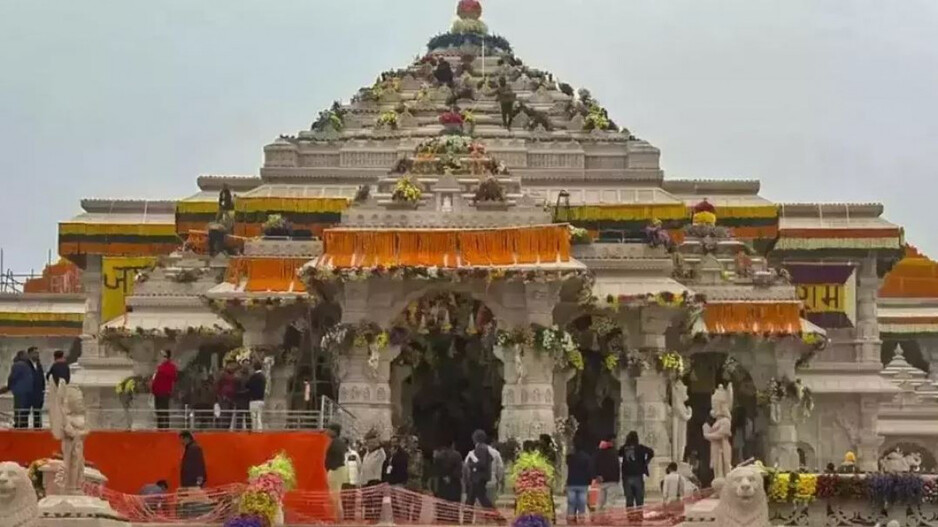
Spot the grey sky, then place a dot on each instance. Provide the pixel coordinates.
(823, 100)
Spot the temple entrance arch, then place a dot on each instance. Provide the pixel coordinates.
(706, 371)
(446, 382)
(594, 394)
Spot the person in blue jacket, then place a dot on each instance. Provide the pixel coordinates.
(20, 382)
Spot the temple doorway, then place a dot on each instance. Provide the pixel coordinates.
(706, 372)
(594, 394)
(447, 378)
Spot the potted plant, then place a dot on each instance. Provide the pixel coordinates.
(276, 225)
(452, 122)
(407, 192)
(387, 120)
(490, 194)
(469, 119)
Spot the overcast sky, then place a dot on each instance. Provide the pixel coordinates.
(822, 100)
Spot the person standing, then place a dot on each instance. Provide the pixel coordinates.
(371, 475)
(226, 387)
(336, 470)
(59, 369)
(606, 465)
(635, 458)
(192, 470)
(242, 398)
(579, 477)
(674, 489)
(395, 475)
(477, 472)
(257, 389)
(20, 382)
(447, 471)
(37, 400)
(162, 386)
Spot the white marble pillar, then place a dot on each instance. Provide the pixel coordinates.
(783, 430)
(91, 284)
(264, 330)
(868, 341)
(528, 394)
(870, 441)
(365, 392)
(651, 390)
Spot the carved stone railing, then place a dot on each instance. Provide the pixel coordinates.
(842, 512)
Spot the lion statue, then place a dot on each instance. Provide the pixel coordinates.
(19, 506)
(742, 499)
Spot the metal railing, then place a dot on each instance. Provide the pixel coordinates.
(207, 419)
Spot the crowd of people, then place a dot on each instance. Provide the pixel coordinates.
(27, 382)
(232, 399)
(477, 478)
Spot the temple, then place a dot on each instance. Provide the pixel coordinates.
(471, 242)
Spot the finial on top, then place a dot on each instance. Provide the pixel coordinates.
(469, 9)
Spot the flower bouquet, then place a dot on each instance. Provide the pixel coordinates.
(387, 120)
(671, 363)
(262, 501)
(276, 225)
(490, 191)
(532, 476)
(452, 122)
(128, 388)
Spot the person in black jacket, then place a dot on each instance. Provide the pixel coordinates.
(395, 467)
(20, 382)
(635, 459)
(59, 369)
(39, 386)
(257, 388)
(192, 470)
(606, 465)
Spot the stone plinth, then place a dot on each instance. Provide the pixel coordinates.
(78, 511)
(528, 393)
(53, 487)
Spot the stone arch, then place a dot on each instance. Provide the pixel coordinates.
(703, 373)
(912, 446)
(483, 295)
(807, 456)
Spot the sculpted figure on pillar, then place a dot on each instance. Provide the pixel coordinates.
(67, 419)
(680, 415)
(721, 451)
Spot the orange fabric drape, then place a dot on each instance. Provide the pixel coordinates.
(447, 248)
(753, 317)
(131, 460)
(266, 274)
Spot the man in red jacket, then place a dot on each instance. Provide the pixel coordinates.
(164, 380)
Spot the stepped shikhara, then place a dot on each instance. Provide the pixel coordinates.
(471, 242)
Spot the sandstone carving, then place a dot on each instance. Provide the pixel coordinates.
(743, 502)
(18, 503)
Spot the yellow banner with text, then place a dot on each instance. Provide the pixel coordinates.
(117, 278)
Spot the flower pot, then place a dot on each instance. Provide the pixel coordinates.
(492, 205)
(452, 128)
(403, 205)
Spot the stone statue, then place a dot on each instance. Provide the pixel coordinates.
(18, 503)
(67, 419)
(721, 451)
(680, 414)
(897, 462)
(743, 502)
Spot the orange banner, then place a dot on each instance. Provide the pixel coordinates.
(753, 317)
(131, 460)
(544, 244)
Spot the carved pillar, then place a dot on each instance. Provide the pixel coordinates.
(652, 389)
(628, 408)
(365, 392)
(783, 429)
(528, 394)
(869, 441)
(265, 330)
(868, 341)
(91, 284)
(561, 382)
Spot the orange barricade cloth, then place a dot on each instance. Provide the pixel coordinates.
(131, 460)
(543, 244)
(267, 274)
(753, 317)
